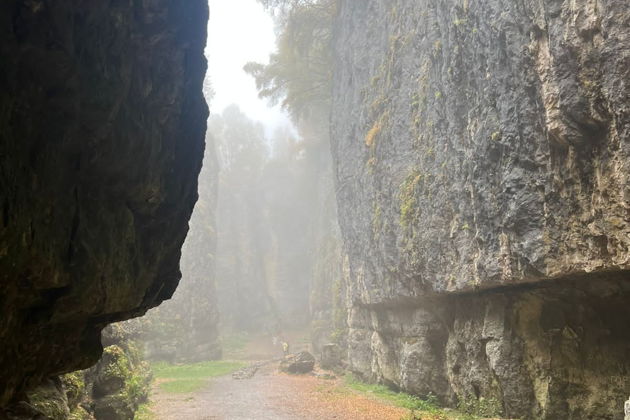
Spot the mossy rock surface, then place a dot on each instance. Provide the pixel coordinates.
(121, 379)
(74, 385)
(50, 400)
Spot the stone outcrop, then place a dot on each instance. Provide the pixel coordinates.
(102, 134)
(482, 157)
(300, 363)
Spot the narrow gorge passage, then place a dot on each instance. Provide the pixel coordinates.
(270, 395)
(315, 209)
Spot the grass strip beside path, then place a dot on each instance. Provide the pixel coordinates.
(420, 409)
(187, 378)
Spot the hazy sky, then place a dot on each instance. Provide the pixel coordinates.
(240, 31)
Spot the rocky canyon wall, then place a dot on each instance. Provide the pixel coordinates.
(102, 124)
(482, 157)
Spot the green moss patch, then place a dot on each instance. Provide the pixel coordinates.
(183, 386)
(399, 399)
(420, 409)
(144, 413)
(409, 211)
(187, 378)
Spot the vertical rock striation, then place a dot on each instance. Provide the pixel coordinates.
(482, 157)
(102, 123)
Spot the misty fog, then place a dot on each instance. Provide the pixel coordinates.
(315, 209)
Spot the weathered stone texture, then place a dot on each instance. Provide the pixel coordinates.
(102, 123)
(483, 145)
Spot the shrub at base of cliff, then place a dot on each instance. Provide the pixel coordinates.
(49, 399)
(111, 390)
(75, 388)
(61, 398)
(120, 381)
(490, 407)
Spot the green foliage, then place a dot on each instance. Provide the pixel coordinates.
(49, 402)
(144, 413)
(124, 362)
(409, 211)
(421, 408)
(183, 386)
(192, 377)
(138, 385)
(74, 384)
(484, 407)
(79, 413)
(399, 399)
(195, 370)
(119, 365)
(300, 72)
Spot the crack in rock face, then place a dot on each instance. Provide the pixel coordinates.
(102, 134)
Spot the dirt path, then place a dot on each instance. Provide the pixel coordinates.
(270, 395)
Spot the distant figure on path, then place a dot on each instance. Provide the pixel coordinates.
(285, 348)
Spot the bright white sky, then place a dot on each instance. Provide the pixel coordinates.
(240, 31)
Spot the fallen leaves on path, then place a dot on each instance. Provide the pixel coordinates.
(328, 399)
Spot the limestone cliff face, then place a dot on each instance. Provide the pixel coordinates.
(482, 157)
(102, 133)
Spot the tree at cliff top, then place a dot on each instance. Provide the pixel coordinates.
(299, 74)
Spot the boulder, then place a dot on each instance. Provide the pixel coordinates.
(302, 362)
